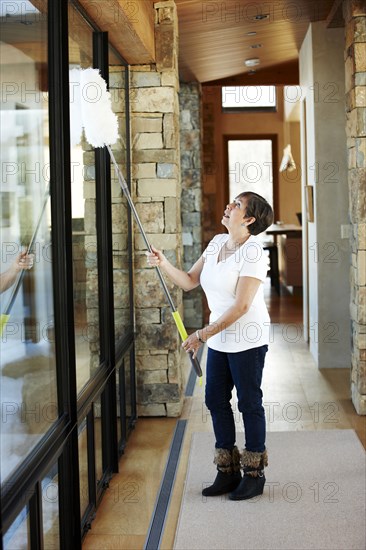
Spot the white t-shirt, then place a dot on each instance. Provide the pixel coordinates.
(219, 281)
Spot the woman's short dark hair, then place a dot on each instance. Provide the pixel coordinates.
(258, 208)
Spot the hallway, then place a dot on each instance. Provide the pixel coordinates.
(93, 377)
(297, 396)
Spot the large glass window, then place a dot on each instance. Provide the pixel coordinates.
(120, 225)
(32, 95)
(28, 367)
(86, 302)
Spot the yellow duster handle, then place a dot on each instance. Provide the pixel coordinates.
(181, 328)
(3, 320)
(184, 335)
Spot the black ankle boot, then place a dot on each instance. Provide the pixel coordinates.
(252, 483)
(249, 486)
(224, 483)
(228, 473)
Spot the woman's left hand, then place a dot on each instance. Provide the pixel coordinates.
(192, 344)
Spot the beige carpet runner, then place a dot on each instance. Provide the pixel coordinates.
(314, 497)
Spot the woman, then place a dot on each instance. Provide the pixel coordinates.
(231, 272)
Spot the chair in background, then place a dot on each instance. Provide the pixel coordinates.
(273, 264)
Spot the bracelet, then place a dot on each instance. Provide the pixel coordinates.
(199, 337)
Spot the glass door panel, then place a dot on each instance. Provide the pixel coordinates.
(84, 234)
(28, 367)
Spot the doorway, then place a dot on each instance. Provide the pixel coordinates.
(251, 165)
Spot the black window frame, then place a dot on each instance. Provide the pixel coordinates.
(60, 444)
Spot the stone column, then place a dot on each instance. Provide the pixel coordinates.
(355, 64)
(191, 203)
(156, 191)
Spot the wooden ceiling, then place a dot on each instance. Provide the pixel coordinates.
(214, 40)
(213, 35)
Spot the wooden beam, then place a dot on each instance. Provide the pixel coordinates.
(130, 27)
(281, 74)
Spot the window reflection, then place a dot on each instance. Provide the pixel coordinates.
(128, 391)
(121, 405)
(83, 467)
(17, 536)
(84, 238)
(125, 400)
(121, 255)
(28, 370)
(50, 509)
(98, 440)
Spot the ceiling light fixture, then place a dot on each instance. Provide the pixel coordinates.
(261, 16)
(251, 33)
(252, 62)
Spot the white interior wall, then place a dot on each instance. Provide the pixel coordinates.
(326, 254)
(310, 272)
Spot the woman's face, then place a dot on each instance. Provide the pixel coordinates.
(234, 213)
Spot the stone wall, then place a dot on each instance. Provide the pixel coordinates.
(355, 64)
(191, 201)
(156, 191)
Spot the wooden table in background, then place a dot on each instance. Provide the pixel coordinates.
(288, 238)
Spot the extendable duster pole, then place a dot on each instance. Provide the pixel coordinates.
(177, 318)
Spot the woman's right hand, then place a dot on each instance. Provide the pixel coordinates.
(155, 258)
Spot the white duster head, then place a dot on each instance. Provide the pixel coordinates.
(99, 121)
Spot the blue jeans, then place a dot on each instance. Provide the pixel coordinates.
(244, 371)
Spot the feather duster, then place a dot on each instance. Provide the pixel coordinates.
(99, 121)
